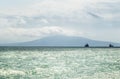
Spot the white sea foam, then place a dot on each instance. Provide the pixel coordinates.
(5, 72)
(60, 63)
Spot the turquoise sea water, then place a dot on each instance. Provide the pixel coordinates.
(59, 63)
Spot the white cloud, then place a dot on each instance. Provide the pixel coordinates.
(3, 22)
(44, 21)
(23, 34)
(49, 7)
(86, 16)
(21, 22)
(62, 8)
(55, 7)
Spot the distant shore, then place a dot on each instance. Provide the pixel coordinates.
(63, 46)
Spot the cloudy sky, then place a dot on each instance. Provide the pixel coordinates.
(25, 20)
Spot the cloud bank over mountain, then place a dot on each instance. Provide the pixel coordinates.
(26, 20)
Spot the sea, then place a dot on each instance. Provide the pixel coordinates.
(59, 63)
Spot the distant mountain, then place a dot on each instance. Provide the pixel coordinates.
(62, 40)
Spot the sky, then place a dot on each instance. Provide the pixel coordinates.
(26, 20)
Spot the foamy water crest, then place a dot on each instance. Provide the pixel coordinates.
(59, 63)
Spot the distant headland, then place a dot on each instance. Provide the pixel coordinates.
(65, 41)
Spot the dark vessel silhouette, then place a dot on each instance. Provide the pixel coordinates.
(110, 45)
(87, 45)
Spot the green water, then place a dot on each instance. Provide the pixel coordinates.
(59, 63)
